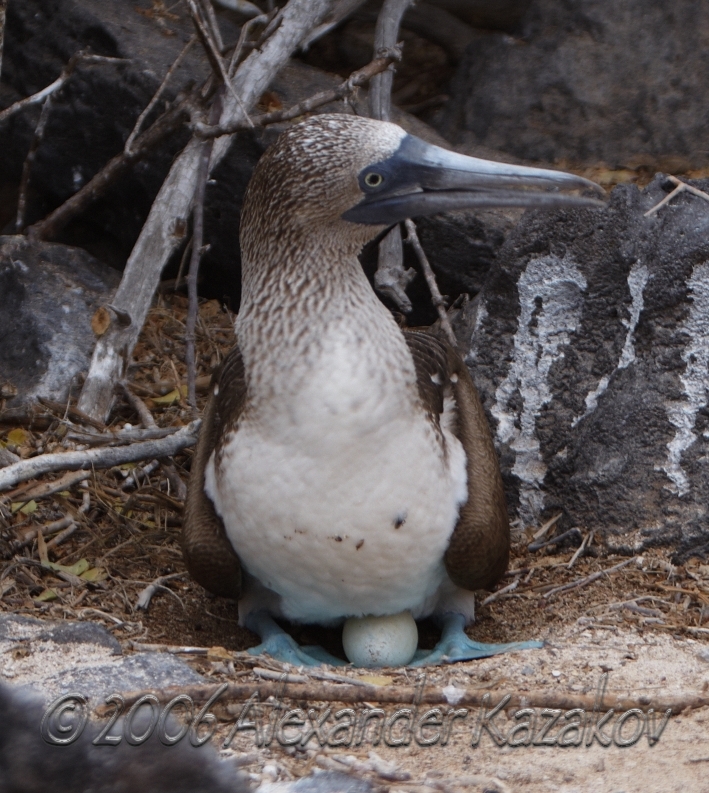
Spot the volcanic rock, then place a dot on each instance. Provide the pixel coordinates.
(590, 347)
(621, 82)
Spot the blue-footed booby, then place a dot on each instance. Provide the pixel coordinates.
(345, 468)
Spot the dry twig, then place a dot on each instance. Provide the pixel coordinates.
(146, 595)
(213, 51)
(215, 33)
(680, 187)
(46, 96)
(37, 139)
(587, 540)
(140, 647)
(582, 582)
(105, 457)
(246, 28)
(47, 530)
(41, 96)
(128, 148)
(434, 695)
(356, 79)
(501, 592)
(545, 528)
(537, 546)
(390, 278)
(197, 250)
(436, 297)
(146, 417)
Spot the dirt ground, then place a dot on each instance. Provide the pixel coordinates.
(599, 609)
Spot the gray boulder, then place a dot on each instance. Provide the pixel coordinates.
(621, 82)
(589, 344)
(48, 295)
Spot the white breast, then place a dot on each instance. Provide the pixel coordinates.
(342, 502)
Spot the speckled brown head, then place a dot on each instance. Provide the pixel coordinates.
(347, 177)
(308, 179)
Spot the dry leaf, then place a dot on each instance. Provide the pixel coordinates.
(78, 569)
(172, 397)
(269, 102)
(48, 594)
(375, 680)
(18, 437)
(94, 574)
(100, 321)
(26, 508)
(219, 654)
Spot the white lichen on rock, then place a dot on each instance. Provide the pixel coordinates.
(695, 380)
(637, 280)
(551, 300)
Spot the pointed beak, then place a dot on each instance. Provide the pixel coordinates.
(421, 179)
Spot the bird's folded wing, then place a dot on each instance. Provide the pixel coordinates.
(209, 555)
(478, 552)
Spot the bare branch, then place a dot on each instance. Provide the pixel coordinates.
(321, 691)
(680, 187)
(151, 104)
(358, 78)
(52, 88)
(216, 34)
(240, 6)
(385, 36)
(211, 47)
(163, 230)
(146, 595)
(146, 417)
(436, 297)
(122, 438)
(29, 162)
(391, 278)
(342, 10)
(246, 28)
(391, 275)
(105, 457)
(193, 272)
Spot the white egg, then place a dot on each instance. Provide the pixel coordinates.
(380, 641)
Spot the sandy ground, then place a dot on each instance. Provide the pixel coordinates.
(643, 668)
(574, 661)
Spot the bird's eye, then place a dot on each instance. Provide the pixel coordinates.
(373, 179)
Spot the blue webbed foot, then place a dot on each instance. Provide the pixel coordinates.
(456, 646)
(283, 647)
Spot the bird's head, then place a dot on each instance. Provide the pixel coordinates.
(353, 177)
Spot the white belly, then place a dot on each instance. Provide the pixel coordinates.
(346, 513)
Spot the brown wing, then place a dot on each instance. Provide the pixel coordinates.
(209, 555)
(478, 552)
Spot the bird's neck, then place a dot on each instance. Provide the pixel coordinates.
(307, 308)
